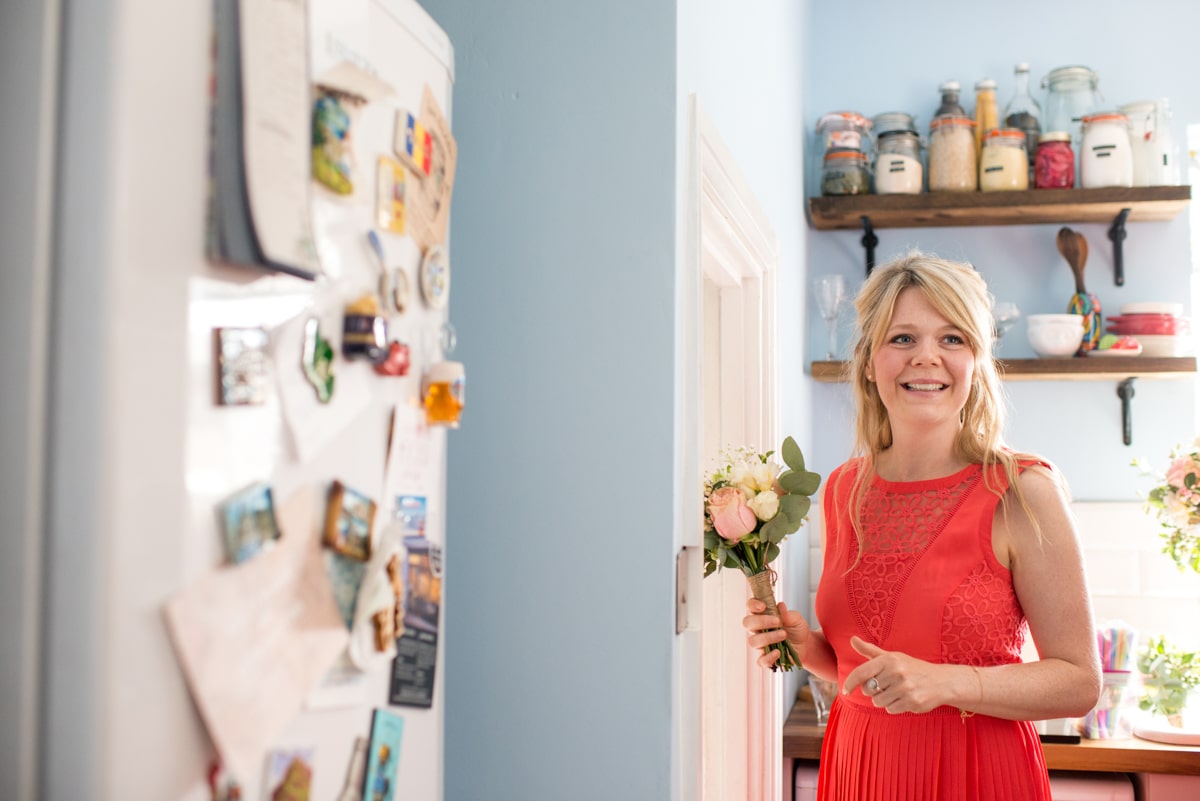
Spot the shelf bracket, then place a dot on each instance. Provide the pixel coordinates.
(1117, 234)
(1125, 393)
(869, 241)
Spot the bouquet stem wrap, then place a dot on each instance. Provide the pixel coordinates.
(762, 585)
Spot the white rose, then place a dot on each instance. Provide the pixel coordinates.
(765, 505)
(764, 476)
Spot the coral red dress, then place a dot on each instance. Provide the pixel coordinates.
(928, 584)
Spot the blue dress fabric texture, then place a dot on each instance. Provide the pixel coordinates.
(927, 583)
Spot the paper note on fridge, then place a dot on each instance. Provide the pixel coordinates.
(255, 639)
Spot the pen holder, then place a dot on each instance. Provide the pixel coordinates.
(1110, 718)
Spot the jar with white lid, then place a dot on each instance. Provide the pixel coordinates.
(1003, 165)
(898, 168)
(1105, 156)
(952, 166)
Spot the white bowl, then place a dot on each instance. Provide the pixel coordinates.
(1163, 345)
(1055, 335)
(1152, 307)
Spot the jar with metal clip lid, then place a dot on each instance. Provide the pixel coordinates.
(845, 172)
(1054, 162)
(1003, 165)
(1105, 156)
(952, 166)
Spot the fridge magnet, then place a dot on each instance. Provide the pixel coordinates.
(379, 610)
(355, 769)
(397, 361)
(427, 207)
(242, 368)
(383, 755)
(349, 520)
(414, 667)
(389, 195)
(410, 511)
(435, 277)
(394, 290)
(317, 360)
(248, 521)
(340, 93)
(289, 775)
(443, 393)
(413, 143)
(364, 330)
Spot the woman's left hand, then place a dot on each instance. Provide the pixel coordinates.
(896, 681)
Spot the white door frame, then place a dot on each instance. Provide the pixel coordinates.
(730, 712)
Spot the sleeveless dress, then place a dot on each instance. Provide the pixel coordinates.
(928, 584)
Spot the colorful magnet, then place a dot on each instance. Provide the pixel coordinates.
(413, 143)
(364, 331)
(317, 360)
(397, 361)
(443, 391)
(389, 195)
(435, 277)
(241, 359)
(332, 154)
(349, 522)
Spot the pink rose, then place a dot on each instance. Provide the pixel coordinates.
(732, 517)
(1177, 474)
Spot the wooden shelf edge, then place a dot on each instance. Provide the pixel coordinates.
(1113, 368)
(933, 209)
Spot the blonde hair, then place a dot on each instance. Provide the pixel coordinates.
(960, 295)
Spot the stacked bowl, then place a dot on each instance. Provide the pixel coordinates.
(1055, 335)
(1159, 327)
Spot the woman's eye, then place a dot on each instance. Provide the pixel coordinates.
(902, 339)
(955, 339)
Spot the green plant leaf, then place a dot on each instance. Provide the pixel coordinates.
(795, 508)
(792, 456)
(800, 482)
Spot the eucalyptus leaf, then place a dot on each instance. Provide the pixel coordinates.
(792, 456)
(772, 553)
(774, 531)
(800, 482)
(795, 508)
(731, 561)
(712, 540)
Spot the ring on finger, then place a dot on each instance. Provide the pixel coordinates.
(873, 685)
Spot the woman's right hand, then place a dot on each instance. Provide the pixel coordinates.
(767, 629)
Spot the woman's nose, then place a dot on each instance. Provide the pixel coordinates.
(926, 352)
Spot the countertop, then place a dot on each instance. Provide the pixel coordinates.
(802, 740)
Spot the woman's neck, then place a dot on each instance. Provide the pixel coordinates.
(919, 457)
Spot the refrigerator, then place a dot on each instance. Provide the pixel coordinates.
(239, 580)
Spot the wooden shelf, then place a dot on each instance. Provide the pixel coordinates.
(1113, 368)
(1152, 203)
(802, 740)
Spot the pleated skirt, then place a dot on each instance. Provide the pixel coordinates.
(871, 755)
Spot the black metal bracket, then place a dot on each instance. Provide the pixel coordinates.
(1117, 234)
(869, 241)
(1125, 393)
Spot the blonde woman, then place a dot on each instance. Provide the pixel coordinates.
(943, 551)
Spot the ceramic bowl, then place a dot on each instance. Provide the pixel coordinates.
(1177, 345)
(1055, 335)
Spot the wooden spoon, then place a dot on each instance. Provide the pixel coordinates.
(1074, 248)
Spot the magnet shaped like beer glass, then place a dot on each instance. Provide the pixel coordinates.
(443, 386)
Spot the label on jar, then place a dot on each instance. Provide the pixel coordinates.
(851, 139)
(897, 174)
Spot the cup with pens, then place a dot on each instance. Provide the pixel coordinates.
(1110, 719)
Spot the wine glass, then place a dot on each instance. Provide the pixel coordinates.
(831, 296)
(1004, 316)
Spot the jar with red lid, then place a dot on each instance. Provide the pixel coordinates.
(1054, 163)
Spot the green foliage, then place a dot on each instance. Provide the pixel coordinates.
(1169, 675)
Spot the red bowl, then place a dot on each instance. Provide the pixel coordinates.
(1153, 324)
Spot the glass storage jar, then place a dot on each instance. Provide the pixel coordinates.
(898, 168)
(1105, 157)
(1155, 160)
(1003, 165)
(1054, 163)
(952, 166)
(845, 173)
(1071, 94)
(844, 129)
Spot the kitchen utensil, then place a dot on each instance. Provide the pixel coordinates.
(1074, 248)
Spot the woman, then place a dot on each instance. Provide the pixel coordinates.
(942, 549)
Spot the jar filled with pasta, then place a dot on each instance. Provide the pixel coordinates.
(952, 166)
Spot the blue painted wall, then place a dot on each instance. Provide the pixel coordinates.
(896, 61)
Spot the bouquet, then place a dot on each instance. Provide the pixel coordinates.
(750, 507)
(1175, 501)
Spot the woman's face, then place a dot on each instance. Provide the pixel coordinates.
(923, 368)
